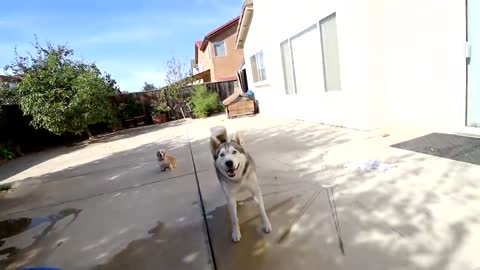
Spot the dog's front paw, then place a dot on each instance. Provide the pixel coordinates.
(267, 227)
(236, 235)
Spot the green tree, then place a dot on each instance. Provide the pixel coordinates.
(148, 86)
(60, 93)
(203, 101)
(178, 79)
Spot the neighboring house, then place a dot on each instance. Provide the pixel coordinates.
(217, 53)
(365, 64)
(9, 81)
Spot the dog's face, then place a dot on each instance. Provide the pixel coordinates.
(229, 156)
(161, 154)
(230, 159)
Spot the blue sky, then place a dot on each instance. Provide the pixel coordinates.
(132, 40)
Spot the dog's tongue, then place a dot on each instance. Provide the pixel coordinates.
(231, 171)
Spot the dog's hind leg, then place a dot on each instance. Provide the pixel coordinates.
(232, 209)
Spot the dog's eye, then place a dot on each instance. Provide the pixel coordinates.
(222, 154)
(234, 152)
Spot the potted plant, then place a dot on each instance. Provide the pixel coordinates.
(159, 112)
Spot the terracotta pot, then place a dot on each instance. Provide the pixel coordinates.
(159, 118)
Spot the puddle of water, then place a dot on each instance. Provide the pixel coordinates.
(17, 226)
(4, 188)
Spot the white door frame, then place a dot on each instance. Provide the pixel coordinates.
(464, 129)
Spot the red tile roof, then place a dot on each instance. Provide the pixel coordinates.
(198, 44)
(217, 30)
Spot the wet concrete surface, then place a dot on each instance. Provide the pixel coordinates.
(142, 228)
(115, 173)
(325, 216)
(120, 212)
(303, 235)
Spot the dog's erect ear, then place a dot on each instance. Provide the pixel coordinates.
(238, 138)
(218, 135)
(214, 143)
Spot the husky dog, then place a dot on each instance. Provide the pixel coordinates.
(236, 172)
(166, 161)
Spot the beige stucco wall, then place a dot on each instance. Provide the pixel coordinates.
(205, 61)
(222, 67)
(227, 66)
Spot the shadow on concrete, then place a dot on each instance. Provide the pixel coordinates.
(387, 220)
(133, 132)
(166, 247)
(77, 186)
(21, 164)
(93, 179)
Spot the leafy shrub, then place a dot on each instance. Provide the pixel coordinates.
(203, 102)
(220, 107)
(130, 108)
(161, 106)
(60, 93)
(6, 154)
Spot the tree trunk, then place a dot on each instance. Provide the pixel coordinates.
(90, 136)
(181, 110)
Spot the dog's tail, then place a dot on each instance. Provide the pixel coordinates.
(218, 135)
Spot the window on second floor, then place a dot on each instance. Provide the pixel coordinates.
(219, 47)
(258, 67)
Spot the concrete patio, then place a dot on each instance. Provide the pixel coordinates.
(113, 209)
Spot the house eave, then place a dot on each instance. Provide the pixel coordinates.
(244, 25)
(217, 31)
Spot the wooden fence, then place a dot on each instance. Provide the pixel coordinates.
(146, 98)
(223, 89)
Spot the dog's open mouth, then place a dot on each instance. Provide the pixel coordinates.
(232, 172)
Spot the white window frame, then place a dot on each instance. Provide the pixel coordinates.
(325, 77)
(224, 48)
(257, 75)
(288, 42)
(292, 66)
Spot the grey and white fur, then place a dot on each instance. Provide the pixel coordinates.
(236, 172)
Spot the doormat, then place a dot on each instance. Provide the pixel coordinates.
(455, 147)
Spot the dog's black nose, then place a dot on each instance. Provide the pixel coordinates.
(229, 163)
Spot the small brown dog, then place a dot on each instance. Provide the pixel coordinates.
(165, 160)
